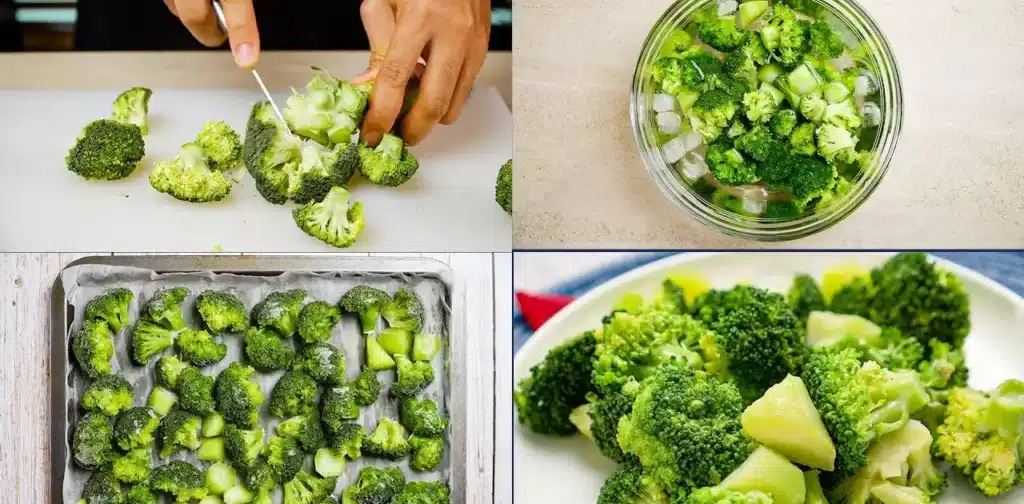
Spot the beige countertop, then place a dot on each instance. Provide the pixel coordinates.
(956, 179)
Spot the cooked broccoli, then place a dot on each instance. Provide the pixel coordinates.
(220, 478)
(134, 428)
(413, 377)
(375, 486)
(266, 351)
(279, 311)
(395, 341)
(422, 418)
(110, 307)
(825, 42)
(189, 177)
(366, 302)
(161, 400)
(760, 105)
(238, 397)
(329, 111)
(405, 311)
(132, 107)
(742, 63)
(721, 32)
(195, 392)
(92, 441)
(179, 429)
(141, 494)
(366, 387)
(168, 371)
(503, 187)
(164, 307)
(629, 485)
(944, 371)
(900, 463)
(806, 177)
(804, 296)
(320, 169)
(102, 488)
(348, 440)
(222, 311)
(106, 150)
(211, 450)
(270, 152)
(388, 164)
(836, 144)
(605, 414)
(317, 320)
(109, 395)
(285, 457)
(712, 113)
(243, 447)
(333, 220)
(198, 347)
(783, 123)
(306, 429)
(424, 492)
(180, 479)
(728, 166)
(293, 395)
(718, 495)
(426, 453)
(93, 346)
(784, 35)
(556, 386)
(802, 140)
(133, 467)
(389, 440)
(221, 145)
(337, 406)
(149, 339)
(377, 358)
(308, 489)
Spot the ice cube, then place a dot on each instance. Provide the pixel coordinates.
(864, 85)
(669, 122)
(753, 202)
(692, 166)
(727, 7)
(673, 150)
(872, 114)
(691, 141)
(664, 102)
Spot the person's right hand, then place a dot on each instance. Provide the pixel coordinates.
(200, 19)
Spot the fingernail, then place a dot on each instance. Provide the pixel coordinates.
(361, 77)
(244, 55)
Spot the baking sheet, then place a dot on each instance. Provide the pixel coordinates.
(81, 283)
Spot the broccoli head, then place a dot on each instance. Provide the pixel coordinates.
(760, 105)
(805, 296)
(179, 429)
(306, 429)
(132, 467)
(424, 492)
(825, 42)
(320, 169)
(102, 488)
(110, 307)
(106, 150)
(338, 406)
(109, 395)
(132, 107)
(189, 177)
(243, 447)
(266, 351)
(404, 311)
(135, 427)
(388, 164)
(284, 457)
(389, 440)
(141, 494)
(728, 166)
(92, 441)
(329, 111)
(605, 414)
(366, 302)
(422, 418)
(837, 144)
(195, 392)
(308, 489)
(238, 397)
(366, 387)
(629, 485)
(149, 339)
(712, 113)
(413, 377)
(784, 35)
(270, 152)
(721, 32)
(93, 347)
(221, 144)
(802, 140)
(198, 347)
(783, 123)
(427, 453)
(222, 311)
(323, 362)
(348, 440)
(168, 371)
(180, 479)
(375, 486)
(164, 307)
(279, 311)
(317, 320)
(332, 220)
(556, 386)
(503, 187)
(293, 395)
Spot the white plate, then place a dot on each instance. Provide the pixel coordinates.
(571, 470)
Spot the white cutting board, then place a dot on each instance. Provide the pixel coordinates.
(447, 207)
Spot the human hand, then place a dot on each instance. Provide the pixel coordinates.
(200, 19)
(450, 35)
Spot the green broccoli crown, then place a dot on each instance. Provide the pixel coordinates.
(179, 429)
(268, 149)
(180, 479)
(389, 440)
(728, 166)
(783, 123)
(259, 477)
(135, 427)
(222, 311)
(605, 414)
(238, 397)
(696, 69)
(806, 177)
(785, 36)
(556, 386)
(923, 300)
(629, 485)
(945, 368)
(503, 187)
(781, 210)
(149, 339)
(164, 307)
(141, 494)
(221, 144)
(110, 307)
(293, 395)
(329, 111)
(198, 347)
(685, 428)
(813, 106)
(332, 221)
(317, 320)
(266, 351)
(106, 150)
(405, 311)
(805, 296)
(366, 387)
(375, 486)
(348, 440)
(982, 435)
(756, 143)
(715, 495)
(366, 302)
(195, 392)
(424, 492)
(102, 488)
(422, 417)
(308, 489)
(388, 164)
(323, 362)
(712, 113)
(243, 446)
(742, 63)
(109, 395)
(837, 144)
(802, 140)
(761, 105)
(92, 441)
(133, 467)
(189, 177)
(279, 311)
(168, 371)
(320, 169)
(427, 453)
(721, 32)
(93, 346)
(285, 457)
(824, 41)
(891, 349)
(306, 429)
(338, 406)
(413, 377)
(132, 107)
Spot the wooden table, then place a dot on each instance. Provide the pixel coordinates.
(25, 283)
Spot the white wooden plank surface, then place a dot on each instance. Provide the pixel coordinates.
(503, 380)
(25, 283)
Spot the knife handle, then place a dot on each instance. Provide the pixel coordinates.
(222, 21)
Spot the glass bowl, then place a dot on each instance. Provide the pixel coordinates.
(861, 33)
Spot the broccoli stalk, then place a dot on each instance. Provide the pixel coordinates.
(132, 107)
(375, 485)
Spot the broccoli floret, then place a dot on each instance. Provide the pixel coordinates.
(366, 387)
(110, 307)
(783, 123)
(135, 427)
(221, 145)
(836, 144)
(366, 302)
(306, 429)
(944, 371)
(805, 296)
(308, 489)
(270, 152)
(222, 311)
(825, 42)
(329, 111)
(685, 428)
(844, 115)
(195, 392)
(784, 35)
(198, 347)
(102, 488)
(293, 395)
(721, 33)
(106, 150)
(807, 178)
(180, 479)
(899, 463)
(413, 377)
(629, 485)
(149, 339)
(260, 478)
(132, 107)
(404, 311)
(426, 453)
(320, 169)
(347, 439)
(132, 467)
(388, 164)
(756, 143)
(503, 187)
(728, 166)
(924, 301)
(279, 311)
(742, 63)
(859, 403)
(141, 494)
(982, 434)
(332, 221)
(323, 362)
(317, 320)
(168, 371)
(109, 395)
(812, 107)
(93, 346)
(243, 447)
(605, 414)
(389, 440)
(712, 113)
(375, 486)
(781, 210)
(422, 418)
(92, 441)
(802, 140)
(556, 386)
(760, 105)
(179, 429)
(266, 351)
(164, 307)
(424, 492)
(284, 456)
(161, 400)
(189, 177)
(337, 406)
(238, 397)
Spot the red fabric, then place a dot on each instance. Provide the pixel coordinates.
(538, 308)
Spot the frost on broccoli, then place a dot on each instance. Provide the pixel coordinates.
(333, 220)
(424, 492)
(375, 486)
(92, 441)
(132, 107)
(164, 307)
(110, 307)
(427, 453)
(503, 187)
(199, 348)
(222, 311)
(317, 320)
(422, 417)
(221, 144)
(109, 395)
(293, 395)
(238, 397)
(284, 457)
(413, 377)
(243, 447)
(323, 362)
(279, 311)
(306, 429)
(135, 428)
(389, 441)
(405, 311)
(266, 351)
(149, 339)
(190, 177)
(133, 467)
(180, 479)
(178, 430)
(366, 387)
(93, 347)
(102, 488)
(389, 163)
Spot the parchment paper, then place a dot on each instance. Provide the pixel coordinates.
(82, 283)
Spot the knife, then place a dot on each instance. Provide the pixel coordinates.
(222, 21)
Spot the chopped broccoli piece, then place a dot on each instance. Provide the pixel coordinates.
(405, 311)
(785, 420)
(805, 296)
(180, 479)
(141, 494)
(164, 307)
(422, 418)
(132, 107)
(783, 123)
(760, 105)
(198, 347)
(220, 478)
(110, 307)
(825, 42)
(395, 341)
(179, 429)
(377, 358)
(189, 177)
(712, 113)
(93, 347)
(293, 395)
(211, 450)
(168, 371)
(329, 111)
(503, 187)
(366, 387)
(426, 453)
(161, 400)
(721, 32)
(389, 440)
(92, 441)
(728, 166)
(375, 486)
(801, 140)
(266, 351)
(213, 425)
(425, 346)
(243, 447)
(413, 377)
(238, 397)
(284, 457)
(221, 145)
(424, 492)
(306, 429)
(308, 489)
(279, 311)
(270, 152)
(366, 302)
(317, 320)
(556, 386)
(222, 311)
(109, 395)
(195, 392)
(149, 339)
(134, 428)
(106, 150)
(784, 35)
(768, 472)
(388, 164)
(898, 463)
(102, 488)
(333, 220)
(629, 485)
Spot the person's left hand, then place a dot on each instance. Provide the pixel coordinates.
(452, 36)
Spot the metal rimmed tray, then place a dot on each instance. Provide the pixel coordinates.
(432, 280)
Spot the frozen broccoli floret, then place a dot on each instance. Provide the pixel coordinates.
(285, 457)
(132, 467)
(198, 347)
(405, 311)
(141, 494)
(266, 351)
(149, 339)
(161, 401)
(93, 347)
(102, 488)
(222, 311)
(323, 362)
(338, 406)
(195, 392)
(426, 453)
(388, 164)
(110, 307)
(270, 152)
(422, 417)
(317, 320)
(294, 394)
(106, 150)
(306, 429)
(243, 447)
(238, 397)
(180, 479)
(424, 492)
(279, 311)
(320, 169)
(168, 371)
(135, 428)
(375, 486)
(164, 307)
(92, 441)
(333, 220)
(179, 429)
(308, 489)
(189, 177)
(366, 302)
(389, 440)
(348, 440)
(366, 387)
(221, 144)
(413, 377)
(503, 187)
(132, 107)
(109, 395)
